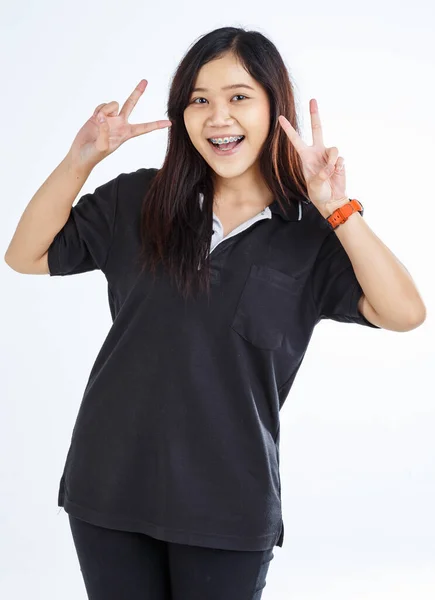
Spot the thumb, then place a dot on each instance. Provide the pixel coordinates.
(103, 132)
(329, 168)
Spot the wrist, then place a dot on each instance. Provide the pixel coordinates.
(330, 207)
(75, 166)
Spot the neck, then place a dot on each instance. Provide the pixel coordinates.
(242, 192)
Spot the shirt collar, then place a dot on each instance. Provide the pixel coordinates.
(294, 211)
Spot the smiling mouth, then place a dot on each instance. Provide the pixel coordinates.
(225, 148)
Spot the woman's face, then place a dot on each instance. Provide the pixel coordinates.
(214, 111)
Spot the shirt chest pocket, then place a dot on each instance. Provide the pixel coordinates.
(268, 312)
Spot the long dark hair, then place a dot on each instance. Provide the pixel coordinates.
(174, 229)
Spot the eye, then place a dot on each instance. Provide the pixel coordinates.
(236, 96)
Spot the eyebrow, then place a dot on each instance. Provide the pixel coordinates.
(227, 87)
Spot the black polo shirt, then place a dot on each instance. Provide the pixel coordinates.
(177, 435)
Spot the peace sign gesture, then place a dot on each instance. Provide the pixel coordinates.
(323, 169)
(108, 128)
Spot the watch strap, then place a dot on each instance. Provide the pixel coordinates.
(341, 215)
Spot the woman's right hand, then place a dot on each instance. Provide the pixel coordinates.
(96, 139)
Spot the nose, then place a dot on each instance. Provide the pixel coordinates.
(219, 116)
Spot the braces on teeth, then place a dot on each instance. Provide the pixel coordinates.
(218, 141)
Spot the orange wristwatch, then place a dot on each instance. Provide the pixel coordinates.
(342, 214)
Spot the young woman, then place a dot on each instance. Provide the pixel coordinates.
(219, 266)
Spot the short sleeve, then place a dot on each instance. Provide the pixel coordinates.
(336, 290)
(84, 241)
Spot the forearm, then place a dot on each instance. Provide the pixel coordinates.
(386, 283)
(46, 214)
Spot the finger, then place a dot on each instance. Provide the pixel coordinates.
(103, 132)
(97, 110)
(109, 109)
(331, 161)
(142, 128)
(316, 126)
(131, 101)
(339, 165)
(292, 134)
(99, 107)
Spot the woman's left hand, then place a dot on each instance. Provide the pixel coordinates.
(323, 169)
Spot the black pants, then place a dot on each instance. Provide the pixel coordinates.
(122, 565)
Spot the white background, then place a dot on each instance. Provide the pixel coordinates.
(357, 433)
